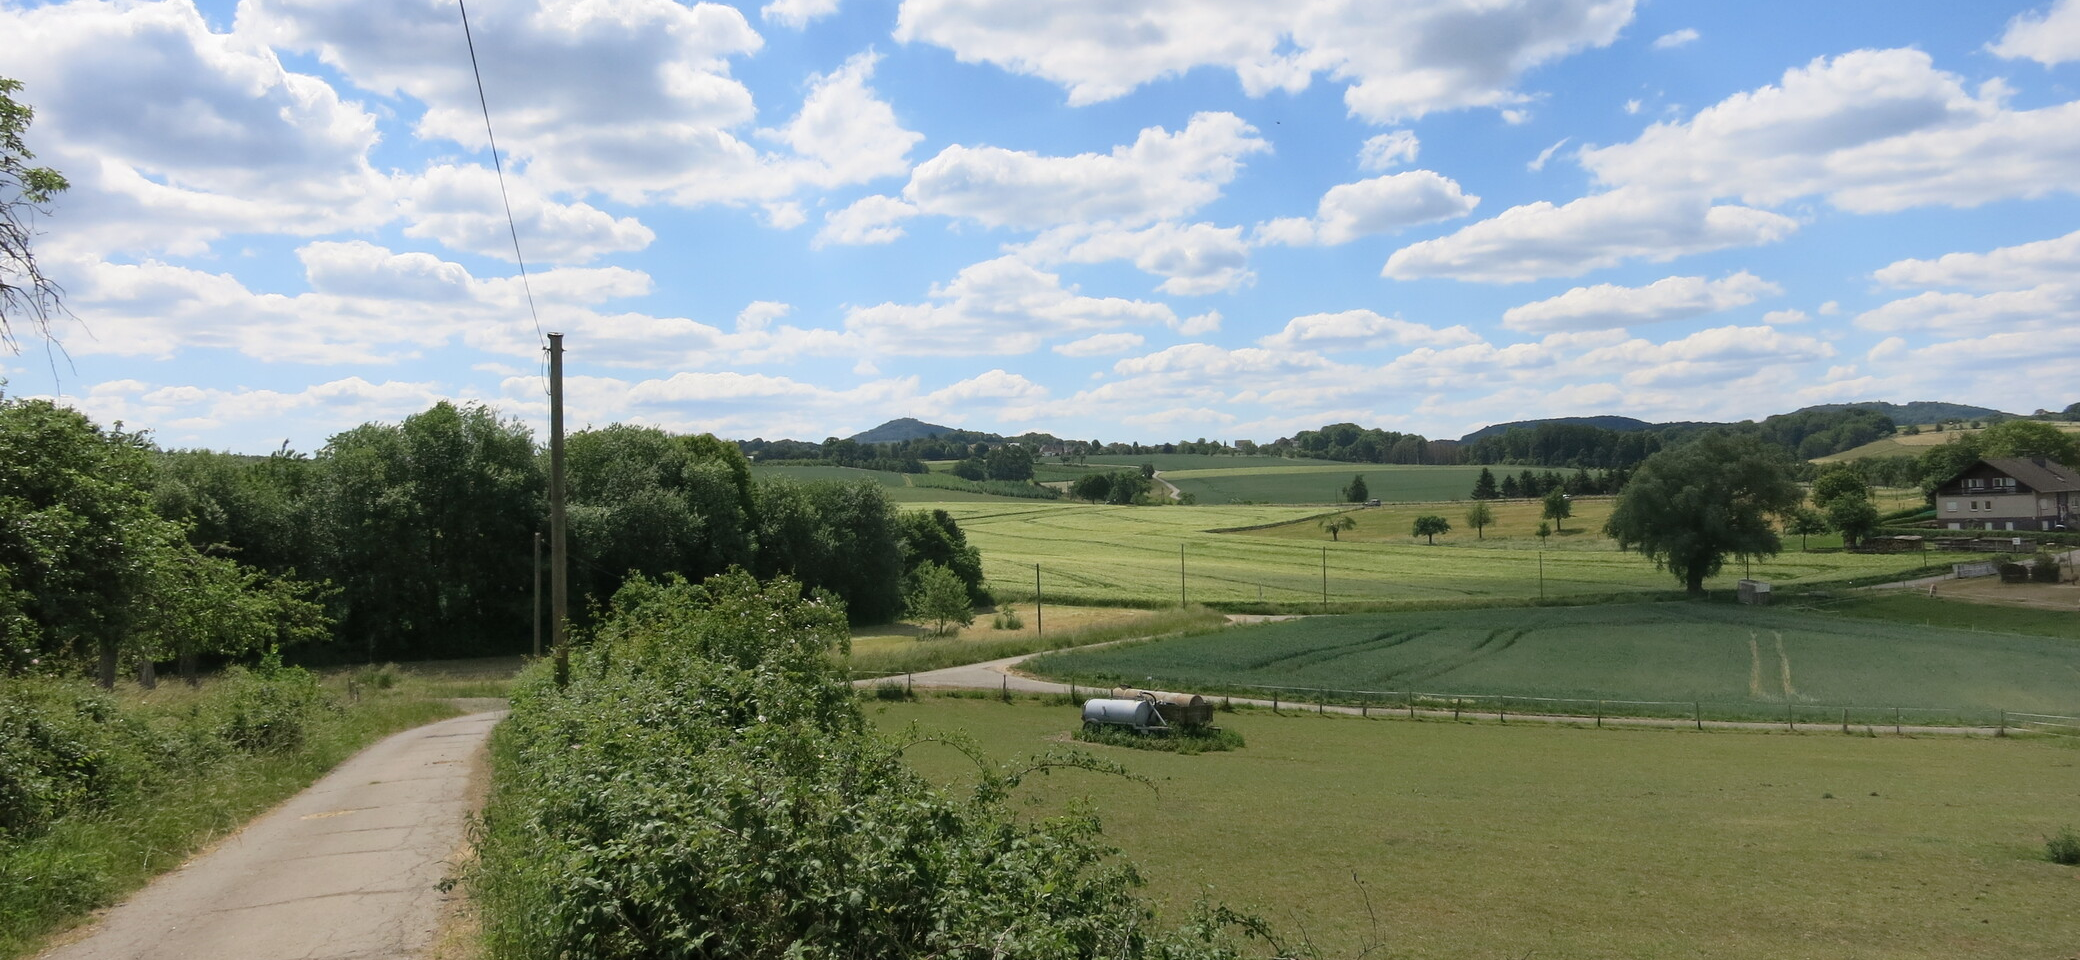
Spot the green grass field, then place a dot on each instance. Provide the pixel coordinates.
(1321, 483)
(1903, 445)
(1129, 556)
(1205, 461)
(1737, 661)
(1492, 841)
(901, 487)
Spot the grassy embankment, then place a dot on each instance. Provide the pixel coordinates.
(179, 782)
(1485, 840)
(1732, 662)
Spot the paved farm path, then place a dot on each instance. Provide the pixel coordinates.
(347, 869)
(1004, 675)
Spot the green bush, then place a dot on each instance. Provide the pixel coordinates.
(2063, 847)
(64, 749)
(2044, 569)
(706, 786)
(1187, 742)
(271, 707)
(1007, 619)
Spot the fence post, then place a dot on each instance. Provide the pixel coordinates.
(1411, 703)
(1845, 719)
(1004, 688)
(1274, 703)
(1364, 709)
(2003, 731)
(1321, 702)
(1697, 711)
(1895, 722)
(1072, 692)
(1455, 708)
(1502, 709)
(1599, 713)
(1790, 719)
(906, 686)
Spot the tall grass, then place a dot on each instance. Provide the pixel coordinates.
(186, 782)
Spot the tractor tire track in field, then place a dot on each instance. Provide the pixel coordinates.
(1494, 643)
(1754, 667)
(1784, 666)
(1315, 655)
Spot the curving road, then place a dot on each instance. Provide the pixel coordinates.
(348, 869)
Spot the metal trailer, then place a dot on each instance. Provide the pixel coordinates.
(1176, 709)
(1139, 716)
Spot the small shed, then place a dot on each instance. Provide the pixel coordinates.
(1177, 709)
(1755, 592)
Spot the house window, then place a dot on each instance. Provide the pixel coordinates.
(1950, 506)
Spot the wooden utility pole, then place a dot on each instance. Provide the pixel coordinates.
(1180, 575)
(559, 596)
(1039, 614)
(538, 594)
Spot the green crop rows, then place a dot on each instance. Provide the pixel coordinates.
(1743, 660)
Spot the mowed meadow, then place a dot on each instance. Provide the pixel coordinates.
(1244, 554)
(1731, 660)
(1437, 840)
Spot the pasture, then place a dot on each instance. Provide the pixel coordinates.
(1486, 840)
(1321, 483)
(1904, 445)
(902, 488)
(1735, 661)
(1130, 556)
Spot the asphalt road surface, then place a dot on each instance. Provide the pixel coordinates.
(349, 868)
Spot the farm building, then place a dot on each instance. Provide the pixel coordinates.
(2010, 493)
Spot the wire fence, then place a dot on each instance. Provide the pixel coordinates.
(1792, 716)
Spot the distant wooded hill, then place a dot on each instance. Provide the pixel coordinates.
(909, 428)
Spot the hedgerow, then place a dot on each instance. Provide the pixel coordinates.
(706, 786)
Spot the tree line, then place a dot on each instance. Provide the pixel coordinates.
(402, 540)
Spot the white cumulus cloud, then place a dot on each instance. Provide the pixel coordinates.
(1605, 305)
(1379, 205)
(1398, 60)
(1361, 330)
(1001, 306)
(2024, 265)
(2050, 37)
(1542, 240)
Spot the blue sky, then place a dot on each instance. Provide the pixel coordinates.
(1108, 219)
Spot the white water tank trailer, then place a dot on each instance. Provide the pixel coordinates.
(1137, 715)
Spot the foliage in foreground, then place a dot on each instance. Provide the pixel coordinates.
(100, 791)
(706, 786)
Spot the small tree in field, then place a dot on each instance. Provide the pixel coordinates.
(1478, 516)
(938, 595)
(1805, 521)
(1557, 507)
(1356, 491)
(1854, 517)
(1338, 523)
(1430, 525)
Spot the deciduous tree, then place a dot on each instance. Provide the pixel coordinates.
(1478, 516)
(1337, 524)
(1430, 525)
(26, 293)
(1690, 508)
(1557, 507)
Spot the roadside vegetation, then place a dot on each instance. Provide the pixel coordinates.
(100, 791)
(707, 786)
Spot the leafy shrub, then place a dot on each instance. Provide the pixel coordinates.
(378, 677)
(1007, 619)
(2044, 569)
(2064, 847)
(706, 786)
(270, 707)
(64, 749)
(1187, 742)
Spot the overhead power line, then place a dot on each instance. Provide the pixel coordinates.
(512, 229)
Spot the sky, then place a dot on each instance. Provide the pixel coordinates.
(1104, 219)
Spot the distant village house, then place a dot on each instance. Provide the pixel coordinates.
(2010, 493)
